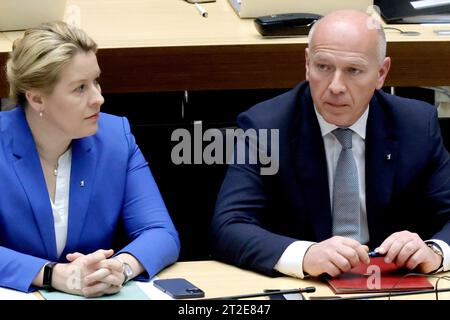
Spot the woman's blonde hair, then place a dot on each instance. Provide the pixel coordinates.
(37, 59)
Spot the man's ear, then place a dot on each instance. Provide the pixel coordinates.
(383, 72)
(35, 100)
(307, 64)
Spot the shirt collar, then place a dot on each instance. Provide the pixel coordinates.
(359, 126)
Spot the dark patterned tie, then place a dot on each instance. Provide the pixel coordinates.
(346, 208)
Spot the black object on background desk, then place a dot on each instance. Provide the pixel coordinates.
(287, 24)
(401, 11)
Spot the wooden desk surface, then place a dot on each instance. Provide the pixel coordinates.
(218, 280)
(165, 45)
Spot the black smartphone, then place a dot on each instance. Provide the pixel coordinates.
(179, 288)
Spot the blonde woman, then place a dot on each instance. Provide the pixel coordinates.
(69, 174)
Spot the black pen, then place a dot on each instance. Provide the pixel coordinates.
(374, 254)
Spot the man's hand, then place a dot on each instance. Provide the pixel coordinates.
(334, 256)
(407, 249)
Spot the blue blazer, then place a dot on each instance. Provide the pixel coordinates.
(110, 182)
(257, 217)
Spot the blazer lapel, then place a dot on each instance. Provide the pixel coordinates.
(83, 168)
(381, 159)
(29, 171)
(312, 168)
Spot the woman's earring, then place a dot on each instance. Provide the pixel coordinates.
(40, 114)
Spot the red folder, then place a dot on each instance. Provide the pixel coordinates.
(378, 276)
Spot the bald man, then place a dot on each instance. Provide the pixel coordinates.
(359, 169)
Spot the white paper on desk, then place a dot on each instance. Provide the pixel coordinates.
(133, 290)
(256, 8)
(130, 291)
(148, 288)
(9, 294)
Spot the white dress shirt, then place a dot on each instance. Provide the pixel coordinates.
(60, 207)
(291, 261)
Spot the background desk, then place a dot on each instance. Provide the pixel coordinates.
(218, 279)
(165, 45)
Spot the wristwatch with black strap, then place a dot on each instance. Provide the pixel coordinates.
(48, 275)
(437, 249)
(126, 269)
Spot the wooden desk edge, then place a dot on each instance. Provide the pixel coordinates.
(224, 67)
